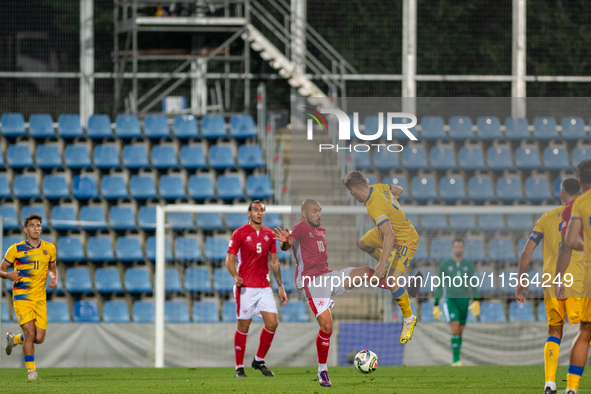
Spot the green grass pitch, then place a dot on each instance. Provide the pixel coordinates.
(399, 380)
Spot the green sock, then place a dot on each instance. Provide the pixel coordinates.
(456, 346)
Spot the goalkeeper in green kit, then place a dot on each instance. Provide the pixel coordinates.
(457, 296)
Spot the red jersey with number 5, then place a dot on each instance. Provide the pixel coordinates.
(309, 250)
(252, 250)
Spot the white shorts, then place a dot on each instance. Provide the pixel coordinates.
(323, 287)
(253, 300)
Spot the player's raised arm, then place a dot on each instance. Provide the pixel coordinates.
(283, 237)
(572, 234)
(276, 270)
(396, 191)
(389, 240)
(231, 266)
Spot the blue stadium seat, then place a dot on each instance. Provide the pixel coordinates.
(185, 127)
(545, 129)
(556, 159)
(68, 127)
(573, 128)
(209, 221)
(48, 156)
(99, 127)
(415, 158)
(432, 128)
(114, 187)
(427, 312)
(147, 217)
(294, 312)
(26, 187)
(501, 250)
(491, 222)
(205, 312)
(135, 157)
(10, 222)
(509, 189)
(230, 187)
(499, 159)
(505, 286)
(107, 280)
(106, 157)
(371, 123)
(41, 126)
(69, 249)
(78, 280)
(398, 181)
(542, 312)
(441, 248)
(462, 222)
(84, 187)
(57, 312)
(39, 210)
(229, 312)
(516, 129)
(172, 281)
(474, 249)
(242, 127)
(399, 135)
(127, 127)
(5, 192)
(460, 128)
(181, 221)
(216, 248)
(236, 220)
(128, 249)
(164, 157)
(451, 188)
(538, 253)
(213, 127)
(192, 157)
(443, 158)
(385, 160)
(115, 312)
(172, 187)
(489, 128)
(538, 189)
(2, 160)
(151, 249)
(137, 280)
(12, 125)
(8, 242)
(55, 187)
(423, 188)
(155, 127)
(221, 157)
(77, 157)
(143, 311)
(201, 187)
(371, 180)
(100, 250)
(258, 187)
(121, 218)
(492, 312)
(222, 280)
(519, 222)
(187, 249)
(527, 159)
(421, 252)
(250, 157)
(142, 187)
(434, 222)
(486, 288)
(362, 160)
(272, 220)
(176, 312)
(580, 154)
(19, 156)
(197, 280)
(94, 218)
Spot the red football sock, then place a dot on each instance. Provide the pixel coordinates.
(265, 343)
(322, 346)
(383, 284)
(240, 347)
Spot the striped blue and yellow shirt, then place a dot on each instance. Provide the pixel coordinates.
(31, 264)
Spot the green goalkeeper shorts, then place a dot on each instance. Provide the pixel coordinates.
(456, 309)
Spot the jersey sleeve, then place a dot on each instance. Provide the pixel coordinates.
(10, 255)
(235, 243)
(538, 232)
(273, 246)
(52, 254)
(566, 214)
(296, 232)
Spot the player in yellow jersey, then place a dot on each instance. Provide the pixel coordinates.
(392, 242)
(548, 227)
(32, 259)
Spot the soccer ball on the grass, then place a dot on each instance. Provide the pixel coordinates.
(366, 361)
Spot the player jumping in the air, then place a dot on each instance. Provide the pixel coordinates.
(557, 309)
(251, 245)
(392, 242)
(580, 220)
(456, 297)
(32, 259)
(312, 276)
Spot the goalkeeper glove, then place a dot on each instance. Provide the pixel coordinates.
(437, 313)
(475, 308)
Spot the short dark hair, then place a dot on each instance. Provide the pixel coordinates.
(458, 240)
(354, 179)
(584, 169)
(571, 186)
(34, 216)
(255, 202)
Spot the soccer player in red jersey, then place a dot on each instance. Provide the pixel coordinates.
(251, 245)
(314, 279)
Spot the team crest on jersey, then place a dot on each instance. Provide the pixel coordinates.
(248, 238)
(311, 236)
(266, 238)
(45, 252)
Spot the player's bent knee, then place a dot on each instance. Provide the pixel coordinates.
(361, 245)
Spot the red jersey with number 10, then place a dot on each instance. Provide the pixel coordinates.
(309, 250)
(252, 250)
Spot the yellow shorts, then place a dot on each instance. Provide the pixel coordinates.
(557, 310)
(402, 253)
(31, 310)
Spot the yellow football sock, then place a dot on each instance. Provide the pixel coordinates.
(30, 362)
(573, 378)
(551, 352)
(18, 339)
(375, 254)
(401, 297)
